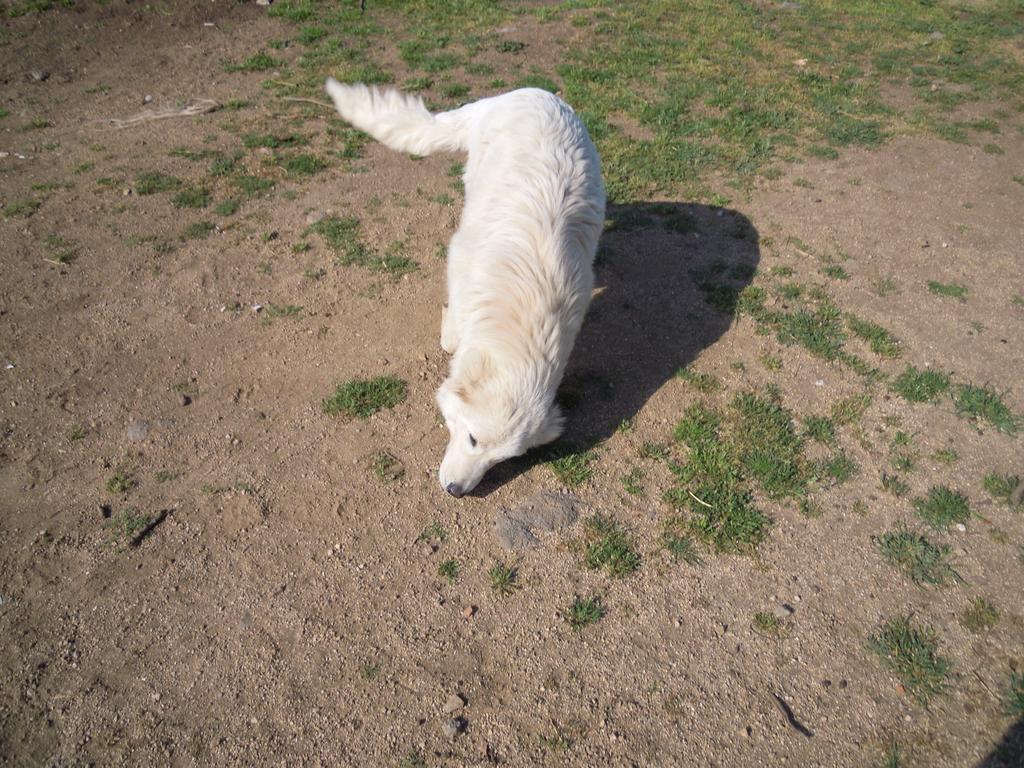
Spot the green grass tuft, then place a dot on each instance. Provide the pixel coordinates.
(943, 507)
(985, 403)
(911, 654)
(610, 546)
(1013, 699)
(361, 398)
(1002, 487)
(882, 343)
(572, 468)
(919, 386)
(387, 467)
(449, 570)
(259, 62)
(583, 612)
(918, 558)
(952, 290)
(152, 183)
(980, 616)
(504, 579)
(120, 482)
(193, 197)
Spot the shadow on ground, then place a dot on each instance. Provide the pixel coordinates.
(1009, 752)
(668, 275)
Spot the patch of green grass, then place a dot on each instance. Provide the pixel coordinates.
(227, 207)
(882, 343)
(434, 532)
(631, 482)
(454, 90)
(768, 624)
(37, 124)
(676, 541)
(154, 182)
(193, 197)
(120, 482)
(702, 382)
(543, 82)
(985, 403)
(77, 432)
(836, 272)
(233, 105)
(894, 484)
(952, 290)
(609, 546)
(946, 455)
(23, 208)
(980, 616)
(1013, 699)
(259, 62)
(920, 386)
(917, 557)
(303, 165)
(504, 579)
(510, 46)
(361, 398)
(387, 467)
(166, 475)
(225, 165)
(250, 185)
(572, 468)
(942, 507)
(912, 655)
(712, 485)
(1001, 487)
(126, 526)
(417, 83)
(273, 311)
(821, 429)
(838, 467)
(199, 230)
(342, 236)
(652, 450)
(449, 570)
(62, 251)
(767, 443)
(273, 141)
(583, 612)
(884, 287)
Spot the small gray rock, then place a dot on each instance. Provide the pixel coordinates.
(39, 75)
(513, 534)
(454, 704)
(314, 216)
(548, 511)
(138, 430)
(453, 727)
(784, 611)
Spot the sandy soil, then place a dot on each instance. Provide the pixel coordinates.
(283, 609)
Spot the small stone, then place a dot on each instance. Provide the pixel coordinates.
(454, 704)
(961, 527)
(784, 611)
(184, 400)
(842, 684)
(453, 727)
(513, 534)
(147, 98)
(39, 75)
(137, 430)
(468, 612)
(826, 683)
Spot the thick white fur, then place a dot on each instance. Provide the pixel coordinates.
(520, 266)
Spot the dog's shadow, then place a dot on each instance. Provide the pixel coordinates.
(668, 279)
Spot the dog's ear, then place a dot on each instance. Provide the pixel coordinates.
(473, 368)
(551, 429)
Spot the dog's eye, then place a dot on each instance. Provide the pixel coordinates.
(472, 441)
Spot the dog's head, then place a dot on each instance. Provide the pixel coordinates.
(491, 415)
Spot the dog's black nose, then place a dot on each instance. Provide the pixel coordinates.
(454, 489)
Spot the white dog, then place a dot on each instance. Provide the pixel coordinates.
(520, 266)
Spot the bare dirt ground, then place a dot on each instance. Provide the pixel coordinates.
(284, 609)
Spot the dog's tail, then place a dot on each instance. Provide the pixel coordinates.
(398, 120)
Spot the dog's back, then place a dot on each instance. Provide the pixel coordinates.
(520, 266)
